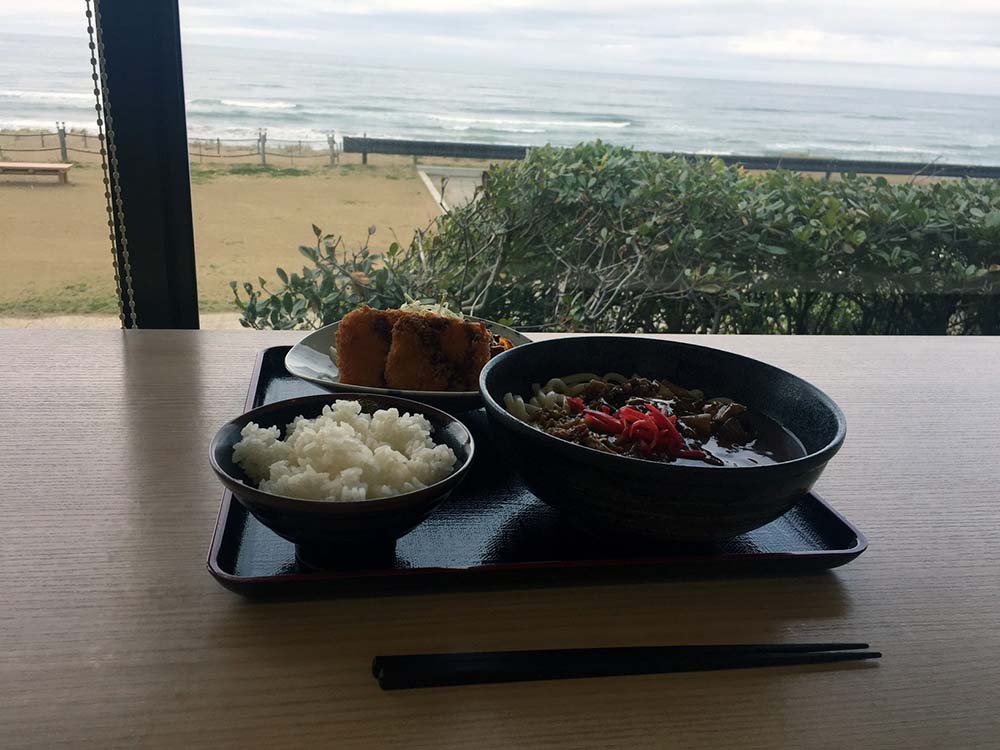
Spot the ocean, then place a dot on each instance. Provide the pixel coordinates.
(231, 93)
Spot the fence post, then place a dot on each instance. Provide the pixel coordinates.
(364, 149)
(262, 145)
(331, 143)
(61, 130)
(218, 146)
(42, 136)
(85, 139)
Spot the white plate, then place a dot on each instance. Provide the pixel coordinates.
(310, 360)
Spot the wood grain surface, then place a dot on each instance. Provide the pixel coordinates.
(113, 634)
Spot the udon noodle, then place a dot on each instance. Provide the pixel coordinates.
(553, 394)
(651, 419)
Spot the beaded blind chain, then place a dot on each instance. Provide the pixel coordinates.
(109, 165)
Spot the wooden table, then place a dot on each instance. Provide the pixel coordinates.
(112, 633)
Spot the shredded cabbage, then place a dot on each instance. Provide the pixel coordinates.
(429, 306)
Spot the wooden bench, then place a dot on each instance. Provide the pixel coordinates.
(59, 170)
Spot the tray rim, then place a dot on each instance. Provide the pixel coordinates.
(231, 580)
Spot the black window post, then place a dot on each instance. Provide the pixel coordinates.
(142, 58)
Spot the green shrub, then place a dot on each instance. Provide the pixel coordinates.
(332, 285)
(608, 239)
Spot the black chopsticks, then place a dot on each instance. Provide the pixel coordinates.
(439, 670)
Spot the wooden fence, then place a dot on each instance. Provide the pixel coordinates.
(491, 151)
(260, 148)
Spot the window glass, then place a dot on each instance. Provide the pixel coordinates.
(758, 167)
(588, 235)
(54, 246)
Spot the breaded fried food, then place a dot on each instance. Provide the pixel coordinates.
(436, 353)
(363, 340)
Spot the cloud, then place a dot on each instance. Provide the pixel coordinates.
(916, 43)
(247, 32)
(815, 45)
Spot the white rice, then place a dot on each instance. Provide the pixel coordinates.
(344, 455)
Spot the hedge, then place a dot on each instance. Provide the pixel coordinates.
(604, 238)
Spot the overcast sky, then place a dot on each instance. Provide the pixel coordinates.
(951, 45)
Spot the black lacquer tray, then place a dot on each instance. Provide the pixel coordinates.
(492, 532)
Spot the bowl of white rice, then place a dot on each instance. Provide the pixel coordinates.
(343, 473)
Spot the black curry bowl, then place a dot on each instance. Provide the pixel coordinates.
(631, 498)
(325, 527)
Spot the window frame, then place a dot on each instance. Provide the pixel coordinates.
(141, 54)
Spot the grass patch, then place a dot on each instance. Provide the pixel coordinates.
(73, 299)
(80, 299)
(201, 174)
(267, 169)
